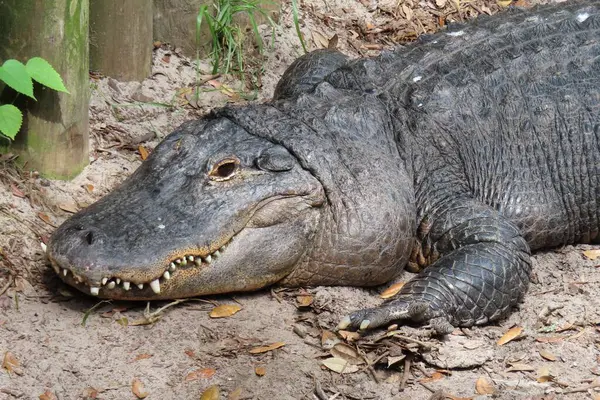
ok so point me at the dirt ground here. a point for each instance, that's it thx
(54, 347)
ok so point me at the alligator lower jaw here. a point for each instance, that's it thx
(108, 283)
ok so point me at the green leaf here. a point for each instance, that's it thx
(10, 120)
(41, 71)
(14, 74)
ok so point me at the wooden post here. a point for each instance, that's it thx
(121, 38)
(54, 136)
(175, 23)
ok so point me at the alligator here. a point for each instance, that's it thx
(455, 156)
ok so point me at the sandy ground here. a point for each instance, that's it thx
(53, 347)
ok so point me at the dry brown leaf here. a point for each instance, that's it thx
(264, 349)
(578, 334)
(236, 394)
(520, 367)
(329, 339)
(304, 300)
(512, 334)
(48, 395)
(484, 386)
(544, 374)
(69, 207)
(592, 254)
(550, 339)
(333, 42)
(523, 4)
(392, 290)
(11, 364)
(436, 376)
(143, 152)
(15, 191)
(142, 356)
(137, 387)
(320, 40)
(211, 393)
(393, 360)
(440, 3)
(339, 365)
(200, 373)
(503, 3)
(342, 350)
(90, 393)
(45, 218)
(89, 187)
(408, 12)
(260, 370)
(225, 310)
(190, 353)
(349, 336)
(566, 327)
(547, 355)
(226, 90)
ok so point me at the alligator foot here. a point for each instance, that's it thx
(397, 310)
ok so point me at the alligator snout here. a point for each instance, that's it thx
(84, 236)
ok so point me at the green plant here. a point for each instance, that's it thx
(295, 13)
(226, 37)
(20, 77)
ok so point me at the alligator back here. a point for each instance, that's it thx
(505, 110)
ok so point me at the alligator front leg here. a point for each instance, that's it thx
(483, 272)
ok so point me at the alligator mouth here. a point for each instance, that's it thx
(114, 282)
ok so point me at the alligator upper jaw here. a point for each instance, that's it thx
(140, 287)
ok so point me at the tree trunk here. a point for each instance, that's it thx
(121, 38)
(54, 136)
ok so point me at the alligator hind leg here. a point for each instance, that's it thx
(483, 272)
(307, 72)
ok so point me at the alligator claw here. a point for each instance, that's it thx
(345, 322)
(400, 309)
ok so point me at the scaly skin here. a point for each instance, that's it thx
(460, 153)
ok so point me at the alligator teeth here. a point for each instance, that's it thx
(172, 267)
(216, 253)
(44, 247)
(118, 280)
(104, 280)
(167, 275)
(184, 261)
(94, 291)
(178, 261)
(198, 261)
(111, 285)
(65, 272)
(190, 258)
(155, 285)
(223, 247)
(140, 286)
(126, 285)
(208, 259)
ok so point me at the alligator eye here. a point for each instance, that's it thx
(224, 169)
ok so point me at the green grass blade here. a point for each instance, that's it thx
(297, 24)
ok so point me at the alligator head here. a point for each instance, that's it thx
(240, 200)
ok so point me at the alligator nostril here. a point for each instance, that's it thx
(89, 237)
